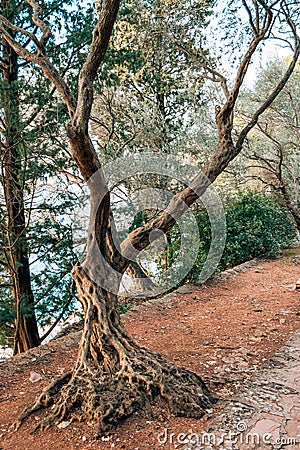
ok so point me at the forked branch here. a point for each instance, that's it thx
(40, 23)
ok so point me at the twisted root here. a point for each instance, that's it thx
(104, 399)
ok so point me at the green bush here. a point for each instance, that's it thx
(256, 226)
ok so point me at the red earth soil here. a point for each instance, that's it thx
(224, 331)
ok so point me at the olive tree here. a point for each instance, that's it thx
(113, 375)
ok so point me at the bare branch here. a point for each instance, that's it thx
(244, 65)
(64, 310)
(42, 60)
(254, 28)
(268, 166)
(39, 23)
(271, 97)
(14, 28)
(203, 62)
(4, 264)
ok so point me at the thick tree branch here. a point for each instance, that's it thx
(226, 149)
(259, 36)
(100, 40)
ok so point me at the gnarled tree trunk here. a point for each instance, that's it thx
(113, 376)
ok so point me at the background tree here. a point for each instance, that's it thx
(34, 228)
(113, 376)
(256, 226)
(274, 145)
(145, 90)
(16, 258)
(147, 85)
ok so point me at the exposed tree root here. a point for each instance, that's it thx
(46, 398)
(114, 376)
(103, 399)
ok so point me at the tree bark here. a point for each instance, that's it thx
(113, 376)
(26, 330)
(143, 286)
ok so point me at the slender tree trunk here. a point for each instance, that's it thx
(26, 331)
(289, 204)
(283, 187)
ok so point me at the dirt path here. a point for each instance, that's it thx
(224, 331)
(265, 412)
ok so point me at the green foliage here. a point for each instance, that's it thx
(256, 226)
(35, 119)
(270, 161)
(53, 256)
(147, 83)
(123, 309)
(140, 219)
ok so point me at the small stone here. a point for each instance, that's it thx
(256, 339)
(264, 426)
(84, 438)
(259, 333)
(64, 424)
(34, 377)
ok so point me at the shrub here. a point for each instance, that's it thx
(256, 226)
